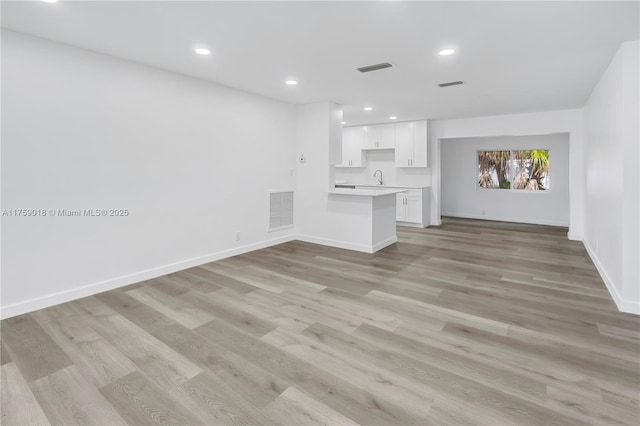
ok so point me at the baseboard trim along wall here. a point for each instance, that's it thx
(574, 237)
(336, 243)
(91, 289)
(385, 243)
(628, 306)
(503, 219)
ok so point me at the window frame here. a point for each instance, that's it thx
(511, 189)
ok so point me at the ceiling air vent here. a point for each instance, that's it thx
(451, 83)
(375, 67)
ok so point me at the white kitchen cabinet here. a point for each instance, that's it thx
(400, 207)
(352, 147)
(379, 136)
(412, 208)
(411, 144)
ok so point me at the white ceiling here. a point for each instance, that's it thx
(513, 56)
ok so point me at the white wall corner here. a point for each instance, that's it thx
(628, 306)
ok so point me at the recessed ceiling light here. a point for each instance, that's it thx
(50, 1)
(368, 108)
(344, 122)
(291, 82)
(393, 117)
(447, 52)
(203, 51)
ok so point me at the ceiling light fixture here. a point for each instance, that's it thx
(203, 51)
(447, 52)
(368, 108)
(393, 117)
(344, 122)
(50, 1)
(291, 82)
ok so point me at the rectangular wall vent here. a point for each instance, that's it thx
(451, 83)
(375, 67)
(280, 210)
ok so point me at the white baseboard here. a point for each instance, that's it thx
(9, 311)
(385, 243)
(91, 289)
(574, 237)
(628, 306)
(504, 219)
(411, 225)
(335, 243)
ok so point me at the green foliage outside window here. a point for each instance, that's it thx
(519, 170)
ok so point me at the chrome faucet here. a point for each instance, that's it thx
(379, 179)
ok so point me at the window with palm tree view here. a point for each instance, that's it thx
(517, 169)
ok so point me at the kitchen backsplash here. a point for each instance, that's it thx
(384, 161)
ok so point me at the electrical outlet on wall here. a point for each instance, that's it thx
(301, 158)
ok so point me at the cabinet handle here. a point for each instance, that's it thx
(408, 162)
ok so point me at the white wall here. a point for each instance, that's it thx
(192, 161)
(461, 196)
(541, 123)
(612, 180)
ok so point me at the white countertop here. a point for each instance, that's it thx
(365, 192)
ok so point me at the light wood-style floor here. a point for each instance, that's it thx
(468, 323)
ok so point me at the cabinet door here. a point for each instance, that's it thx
(352, 147)
(404, 144)
(413, 207)
(419, 144)
(347, 133)
(386, 136)
(369, 136)
(400, 207)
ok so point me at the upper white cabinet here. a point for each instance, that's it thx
(352, 147)
(411, 144)
(379, 136)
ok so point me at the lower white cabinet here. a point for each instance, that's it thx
(412, 207)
